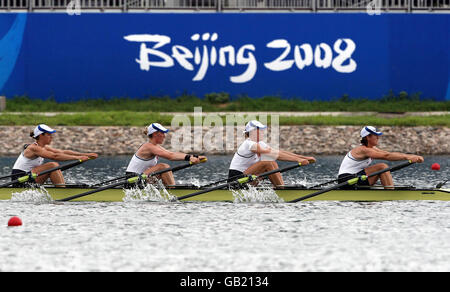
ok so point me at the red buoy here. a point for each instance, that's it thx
(14, 221)
(435, 166)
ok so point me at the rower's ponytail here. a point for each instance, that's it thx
(32, 135)
(364, 141)
(145, 133)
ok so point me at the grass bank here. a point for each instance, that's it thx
(128, 118)
(214, 102)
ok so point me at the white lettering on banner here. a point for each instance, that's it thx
(206, 55)
(322, 56)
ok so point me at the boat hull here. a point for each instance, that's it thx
(117, 195)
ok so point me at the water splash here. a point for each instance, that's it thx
(36, 195)
(196, 182)
(262, 194)
(154, 193)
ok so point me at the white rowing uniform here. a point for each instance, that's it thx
(245, 157)
(26, 164)
(139, 165)
(351, 165)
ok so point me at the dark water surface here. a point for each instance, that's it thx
(326, 169)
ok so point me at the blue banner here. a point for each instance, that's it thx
(291, 55)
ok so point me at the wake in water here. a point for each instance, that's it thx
(35, 195)
(261, 194)
(153, 193)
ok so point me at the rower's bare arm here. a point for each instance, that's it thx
(151, 150)
(172, 156)
(266, 151)
(73, 153)
(256, 148)
(391, 156)
(281, 154)
(91, 155)
(289, 156)
(298, 156)
(55, 155)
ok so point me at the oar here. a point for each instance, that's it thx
(353, 181)
(131, 180)
(335, 180)
(232, 178)
(240, 181)
(440, 185)
(114, 179)
(323, 184)
(173, 169)
(33, 176)
(176, 168)
(6, 176)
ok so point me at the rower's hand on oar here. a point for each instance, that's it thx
(92, 155)
(200, 159)
(311, 159)
(84, 158)
(304, 162)
(416, 158)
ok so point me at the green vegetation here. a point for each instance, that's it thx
(140, 112)
(215, 102)
(408, 121)
(128, 118)
(116, 118)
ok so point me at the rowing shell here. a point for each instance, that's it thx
(287, 194)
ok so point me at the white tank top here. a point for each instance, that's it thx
(139, 165)
(352, 165)
(27, 164)
(244, 157)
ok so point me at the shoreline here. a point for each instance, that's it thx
(279, 113)
(313, 140)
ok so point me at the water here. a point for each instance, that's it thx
(326, 168)
(167, 236)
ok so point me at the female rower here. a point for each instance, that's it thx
(357, 161)
(32, 157)
(248, 158)
(145, 160)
